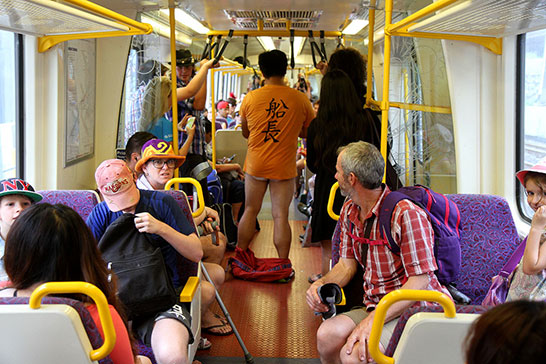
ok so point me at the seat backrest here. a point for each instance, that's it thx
(407, 314)
(488, 238)
(230, 142)
(61, 326)
(82, 201)
(431, 338)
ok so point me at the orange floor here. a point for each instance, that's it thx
(273, 319)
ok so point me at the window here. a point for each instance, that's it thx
(531, 107)
(8, 105)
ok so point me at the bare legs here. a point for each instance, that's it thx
(254, 195)
(281, 196)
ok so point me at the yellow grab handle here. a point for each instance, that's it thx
(330, 207)
(97, 296)
(189, 289)
(197, 186)
(402, 295)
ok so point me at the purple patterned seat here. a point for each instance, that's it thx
(82, 201)
(488, 238)
(91, 329)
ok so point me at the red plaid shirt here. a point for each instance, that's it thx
(384, 270)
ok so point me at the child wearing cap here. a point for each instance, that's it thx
(15, 196)
(157, 214)
(529, 281)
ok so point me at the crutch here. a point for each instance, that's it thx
(248, 357)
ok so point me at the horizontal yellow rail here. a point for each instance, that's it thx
(417, 107)
(197, 186)
(189, 289)
(273, 33)
(48, 41)
(427, 10)
(99, 299)
(396, 296)
(331, 198)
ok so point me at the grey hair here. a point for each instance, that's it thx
(365, 161)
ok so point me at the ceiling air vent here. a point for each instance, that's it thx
(248, 19)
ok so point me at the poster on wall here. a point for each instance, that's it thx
(80, 100)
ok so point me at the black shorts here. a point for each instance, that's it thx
(143, 327)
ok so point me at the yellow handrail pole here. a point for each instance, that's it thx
(97, 9)
(369, 66)
(407, 21)
(99, 299)
(396, 296)
(331, 198)
(213, 106)
(48, 41)
(386, 80)
(406, 117)
(174, 97)
(197, 186)
(272, 33)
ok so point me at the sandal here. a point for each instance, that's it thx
(211, 329)
(313, 278)
(204, 344)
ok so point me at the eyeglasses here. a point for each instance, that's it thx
(159, 163)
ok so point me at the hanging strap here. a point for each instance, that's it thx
(216, 44)
(322, 47)
(514, 260)
(226, 42)
(339, 44)
(245, 44)
(315, 47)
(208, 48)
(292, 60)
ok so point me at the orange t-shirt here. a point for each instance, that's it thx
(275, 116)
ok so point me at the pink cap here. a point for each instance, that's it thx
(222, 105)
(115, 182)
(540, 167)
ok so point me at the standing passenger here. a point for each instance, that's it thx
(272, 118)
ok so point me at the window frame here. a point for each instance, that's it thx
(20, 106)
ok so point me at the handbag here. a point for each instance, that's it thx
(501, 282)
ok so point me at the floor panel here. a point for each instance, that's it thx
(273, 319)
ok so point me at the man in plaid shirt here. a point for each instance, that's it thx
(343, 338)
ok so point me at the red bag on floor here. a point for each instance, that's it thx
(246, 266)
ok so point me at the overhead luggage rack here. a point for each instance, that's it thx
(54, 22)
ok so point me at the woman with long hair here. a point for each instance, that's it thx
(52, 243)
(340, 121)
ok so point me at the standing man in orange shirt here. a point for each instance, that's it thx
(272, 118)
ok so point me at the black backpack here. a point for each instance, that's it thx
(144, 283)
(227, 226)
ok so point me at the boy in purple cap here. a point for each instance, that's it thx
(15, 196)
(157, 214)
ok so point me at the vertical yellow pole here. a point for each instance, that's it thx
(369, 74)
(406, 117)
(386, 80)
(173, 83)
(213, 106)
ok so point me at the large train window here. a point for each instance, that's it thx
(531, 106)
(9, 126)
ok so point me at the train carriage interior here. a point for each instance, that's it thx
(455, 85)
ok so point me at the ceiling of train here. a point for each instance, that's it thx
(328, 15)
